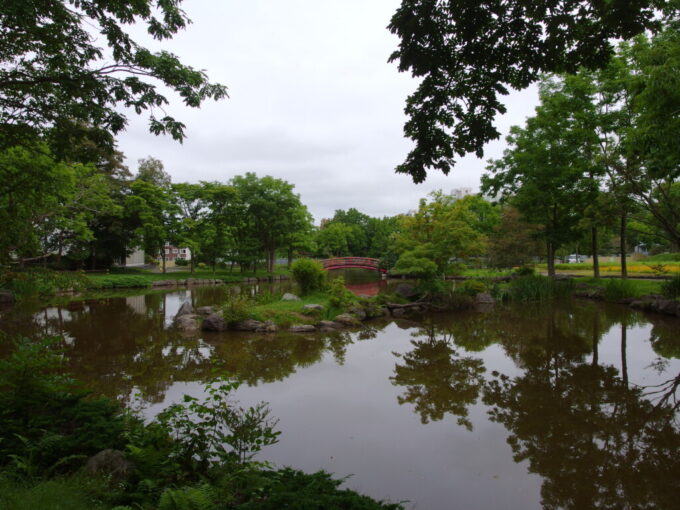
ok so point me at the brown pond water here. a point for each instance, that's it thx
(569, 405)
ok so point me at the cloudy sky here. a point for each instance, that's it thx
(312, 101)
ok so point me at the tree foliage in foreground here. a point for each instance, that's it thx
(470, 54)
(75, 59)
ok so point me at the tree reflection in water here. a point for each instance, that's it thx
(596, 441)
(438, 379)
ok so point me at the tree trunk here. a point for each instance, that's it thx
(290, 257)
(624, 360)
(622, 247)
(596, 259)
(551, 259)
(271, 260)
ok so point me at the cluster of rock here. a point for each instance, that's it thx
(657, 304)
(188, 282)
(210, 318)
(651, 303)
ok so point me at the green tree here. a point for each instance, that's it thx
(46, 206)
(190, 212)
(271, 212)
(542, 173)
(151, 209)
(469, 54)
(152, 170)
(649, 103)
(215, 233)
(514, 242)
(440, 230)
(53, 65)
(332, 240)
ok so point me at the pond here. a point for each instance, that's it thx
(567, 405)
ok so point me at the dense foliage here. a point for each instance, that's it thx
(597, 155)
(76, 60)
(467, 54)
(309, 275)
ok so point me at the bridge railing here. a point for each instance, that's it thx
(361, 262)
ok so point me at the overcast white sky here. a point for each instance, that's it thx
(312, 101)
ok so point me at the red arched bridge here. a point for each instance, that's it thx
(352, 262)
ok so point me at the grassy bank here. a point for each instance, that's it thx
(638, 268)
(141, 278)
(616, 288)
(284, 313)
(30, 283)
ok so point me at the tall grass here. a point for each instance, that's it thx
(671, 288)
(538, 288)
(615, 289)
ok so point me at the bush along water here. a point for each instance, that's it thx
(615, 289)
(538, 288)
(197, 454)
(671, 288)
(36, 282)
(309, 275)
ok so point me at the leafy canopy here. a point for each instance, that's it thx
(74, 59)
(468, 54)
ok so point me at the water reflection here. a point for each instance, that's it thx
(438, 379)
(596, 441)
(586, 396)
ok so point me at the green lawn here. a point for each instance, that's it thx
(618, 289)
(141, 278)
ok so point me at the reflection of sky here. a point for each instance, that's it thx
(346, 418)
(173, 301)
(51, 314)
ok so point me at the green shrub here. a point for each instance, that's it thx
(201, 265)
(289, 488)
(615, 289)
(309, 275)
(236, 308)
(266, 297)
(470, 287)
(415, 264)
(181, 262)
(202, 428)
(525, 271)
(47, 424)
(340, 296)
(61, 494)
(39, 282)
(671, 288)
(188, 498)
(538, 288)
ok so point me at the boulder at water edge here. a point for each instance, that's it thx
(214, 322)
